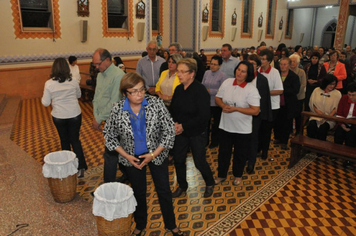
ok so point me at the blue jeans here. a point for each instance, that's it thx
(68, 130)
(197, 145)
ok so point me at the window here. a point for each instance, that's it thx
(246, 21)
(289, 25)
(117, 18)
(36, 19)
(271, 18)
(157, 17)
(217, 16)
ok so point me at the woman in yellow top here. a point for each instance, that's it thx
(168, 81)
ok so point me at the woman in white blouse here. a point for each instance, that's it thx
(63, 92)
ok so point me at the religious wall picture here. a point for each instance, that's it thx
(83, 7)
(205, 14)
(233, 18)
(260, 20)
(281, 23)
(140, 10)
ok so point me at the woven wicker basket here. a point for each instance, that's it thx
(63, 190)
(117, 227)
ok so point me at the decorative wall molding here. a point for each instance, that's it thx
(54, 33)
(121, 32)
(52, 56)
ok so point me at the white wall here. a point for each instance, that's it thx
(350, 37)
(303, 19)
(324, 16)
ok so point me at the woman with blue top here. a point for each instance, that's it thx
(141, 130)
(63, 92)
(212, 80)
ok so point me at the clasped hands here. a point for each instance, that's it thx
(136, 162)
(228, 109)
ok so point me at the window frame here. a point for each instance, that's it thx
(36, 32)
(217, 34)
(273, 20)
(289, 24)
(250, 23)
(118, 32)
(160, 20)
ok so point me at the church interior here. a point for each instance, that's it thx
(317, 196)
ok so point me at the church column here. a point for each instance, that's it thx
(341, 24)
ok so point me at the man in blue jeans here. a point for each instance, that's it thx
(107, 92)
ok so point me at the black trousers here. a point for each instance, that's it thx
(242, 144)
(298, 117)
(264, 134)
(68, 130)
(342, 136)
(214, 130)
(111, 159)
(139, 185)
(321, 132)
(197, 145)
(283, 126)
(256, 123)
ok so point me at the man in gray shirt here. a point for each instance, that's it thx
(229, 62)
(148, 67)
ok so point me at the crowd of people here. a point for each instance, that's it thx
(178, 102)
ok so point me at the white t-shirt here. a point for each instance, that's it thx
(74, 70)
(274, 83)
(64, 98)
(237, 122)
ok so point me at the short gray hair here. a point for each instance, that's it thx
(295, 56)
(178, 46)
(152, 42)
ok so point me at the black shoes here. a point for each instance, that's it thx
(209, 191)
(81, 173)
(179, 191)
(250, 169)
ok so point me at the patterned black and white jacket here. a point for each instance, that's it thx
(160, 129)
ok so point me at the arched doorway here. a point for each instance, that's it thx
(329, 35)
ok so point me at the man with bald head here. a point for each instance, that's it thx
(107, 92)
(148, 67)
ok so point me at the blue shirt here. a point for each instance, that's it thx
(138, 124)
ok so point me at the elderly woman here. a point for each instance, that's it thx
(294, 66)
(261, 83)
(63, 92)
(190, 109)
(289, 104)
(323, 56)
(239, 100)
(212, 80)
(168, 81)
(315, 73)
(323, 101)
(141, 130)
(336, 68)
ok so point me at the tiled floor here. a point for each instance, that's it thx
(34, 132)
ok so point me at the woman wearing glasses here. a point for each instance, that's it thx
(141, 130)
(323, 101)
(190, 109)
(168, 81)
(212, 80)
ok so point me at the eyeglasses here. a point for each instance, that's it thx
(182, 71)
(152, 49)
(99, 63)
(214, 64)
(137, 91)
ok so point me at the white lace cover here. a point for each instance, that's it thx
(59, 165)
(113, 201)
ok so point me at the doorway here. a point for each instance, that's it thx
(329, 35)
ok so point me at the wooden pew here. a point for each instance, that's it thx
(327, 148)
(87, 90)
